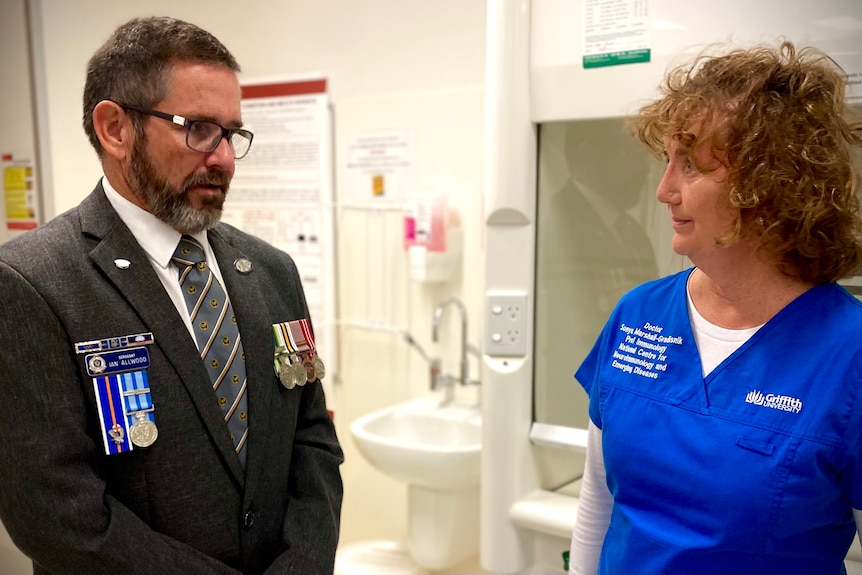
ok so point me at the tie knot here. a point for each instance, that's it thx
(189, 252)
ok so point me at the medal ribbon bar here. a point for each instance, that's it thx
(114, 343)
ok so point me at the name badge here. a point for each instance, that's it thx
(110, 362)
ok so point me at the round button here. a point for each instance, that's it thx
(248, 519)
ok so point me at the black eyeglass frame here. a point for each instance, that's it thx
(188, 124)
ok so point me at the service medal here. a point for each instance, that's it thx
(285, 376)
(143, 432)
(299, 371)
(310, 374)
(319, 368)
(282, 365)
(287, 373)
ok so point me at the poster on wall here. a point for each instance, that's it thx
(282, 191)
(616, 32)
(380, 166)
(19, 191)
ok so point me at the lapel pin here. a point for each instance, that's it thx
(122, 264)
(242, 265)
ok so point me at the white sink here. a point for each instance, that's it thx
(427, 442)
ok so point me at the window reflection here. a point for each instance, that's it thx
(598, 235)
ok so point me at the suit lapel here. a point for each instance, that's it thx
(143, 291)
(249, 301)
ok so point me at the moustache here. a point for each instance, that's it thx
(215, 179)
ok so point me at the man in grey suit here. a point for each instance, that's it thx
(128, 444)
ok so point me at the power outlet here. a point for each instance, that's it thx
(507, 324)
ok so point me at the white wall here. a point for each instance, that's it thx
(393, 65)
(17, 134)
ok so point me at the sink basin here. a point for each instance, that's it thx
(429, 442)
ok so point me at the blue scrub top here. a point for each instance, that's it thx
(754, 468)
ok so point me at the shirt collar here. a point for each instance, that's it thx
(158, 239)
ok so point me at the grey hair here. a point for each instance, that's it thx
(132, 67)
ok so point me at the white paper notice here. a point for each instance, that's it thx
(616, 32)
(380, 166)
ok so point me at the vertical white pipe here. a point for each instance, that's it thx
(508, 471)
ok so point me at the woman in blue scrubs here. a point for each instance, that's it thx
(726, 400)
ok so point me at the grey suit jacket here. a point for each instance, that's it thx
(185, 504)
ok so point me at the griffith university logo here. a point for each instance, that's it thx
(772, 401)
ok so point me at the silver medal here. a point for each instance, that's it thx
(298, 370)
(285, 376)
(143, 432)
(319, 368)
(283, 369)
(287, 373)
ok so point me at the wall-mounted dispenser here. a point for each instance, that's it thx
(433, 238)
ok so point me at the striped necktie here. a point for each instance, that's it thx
(217, 337)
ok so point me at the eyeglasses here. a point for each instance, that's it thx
(203, 135)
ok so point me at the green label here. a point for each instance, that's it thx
(617, 58)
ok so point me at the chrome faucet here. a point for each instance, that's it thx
(438, 315)
(434, 371)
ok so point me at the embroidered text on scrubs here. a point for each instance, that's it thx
(643, 352)
(634, 360)
(781, 402)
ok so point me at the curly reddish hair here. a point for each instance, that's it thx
(777, 119)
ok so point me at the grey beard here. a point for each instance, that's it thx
(174, 210)
(169, 204)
